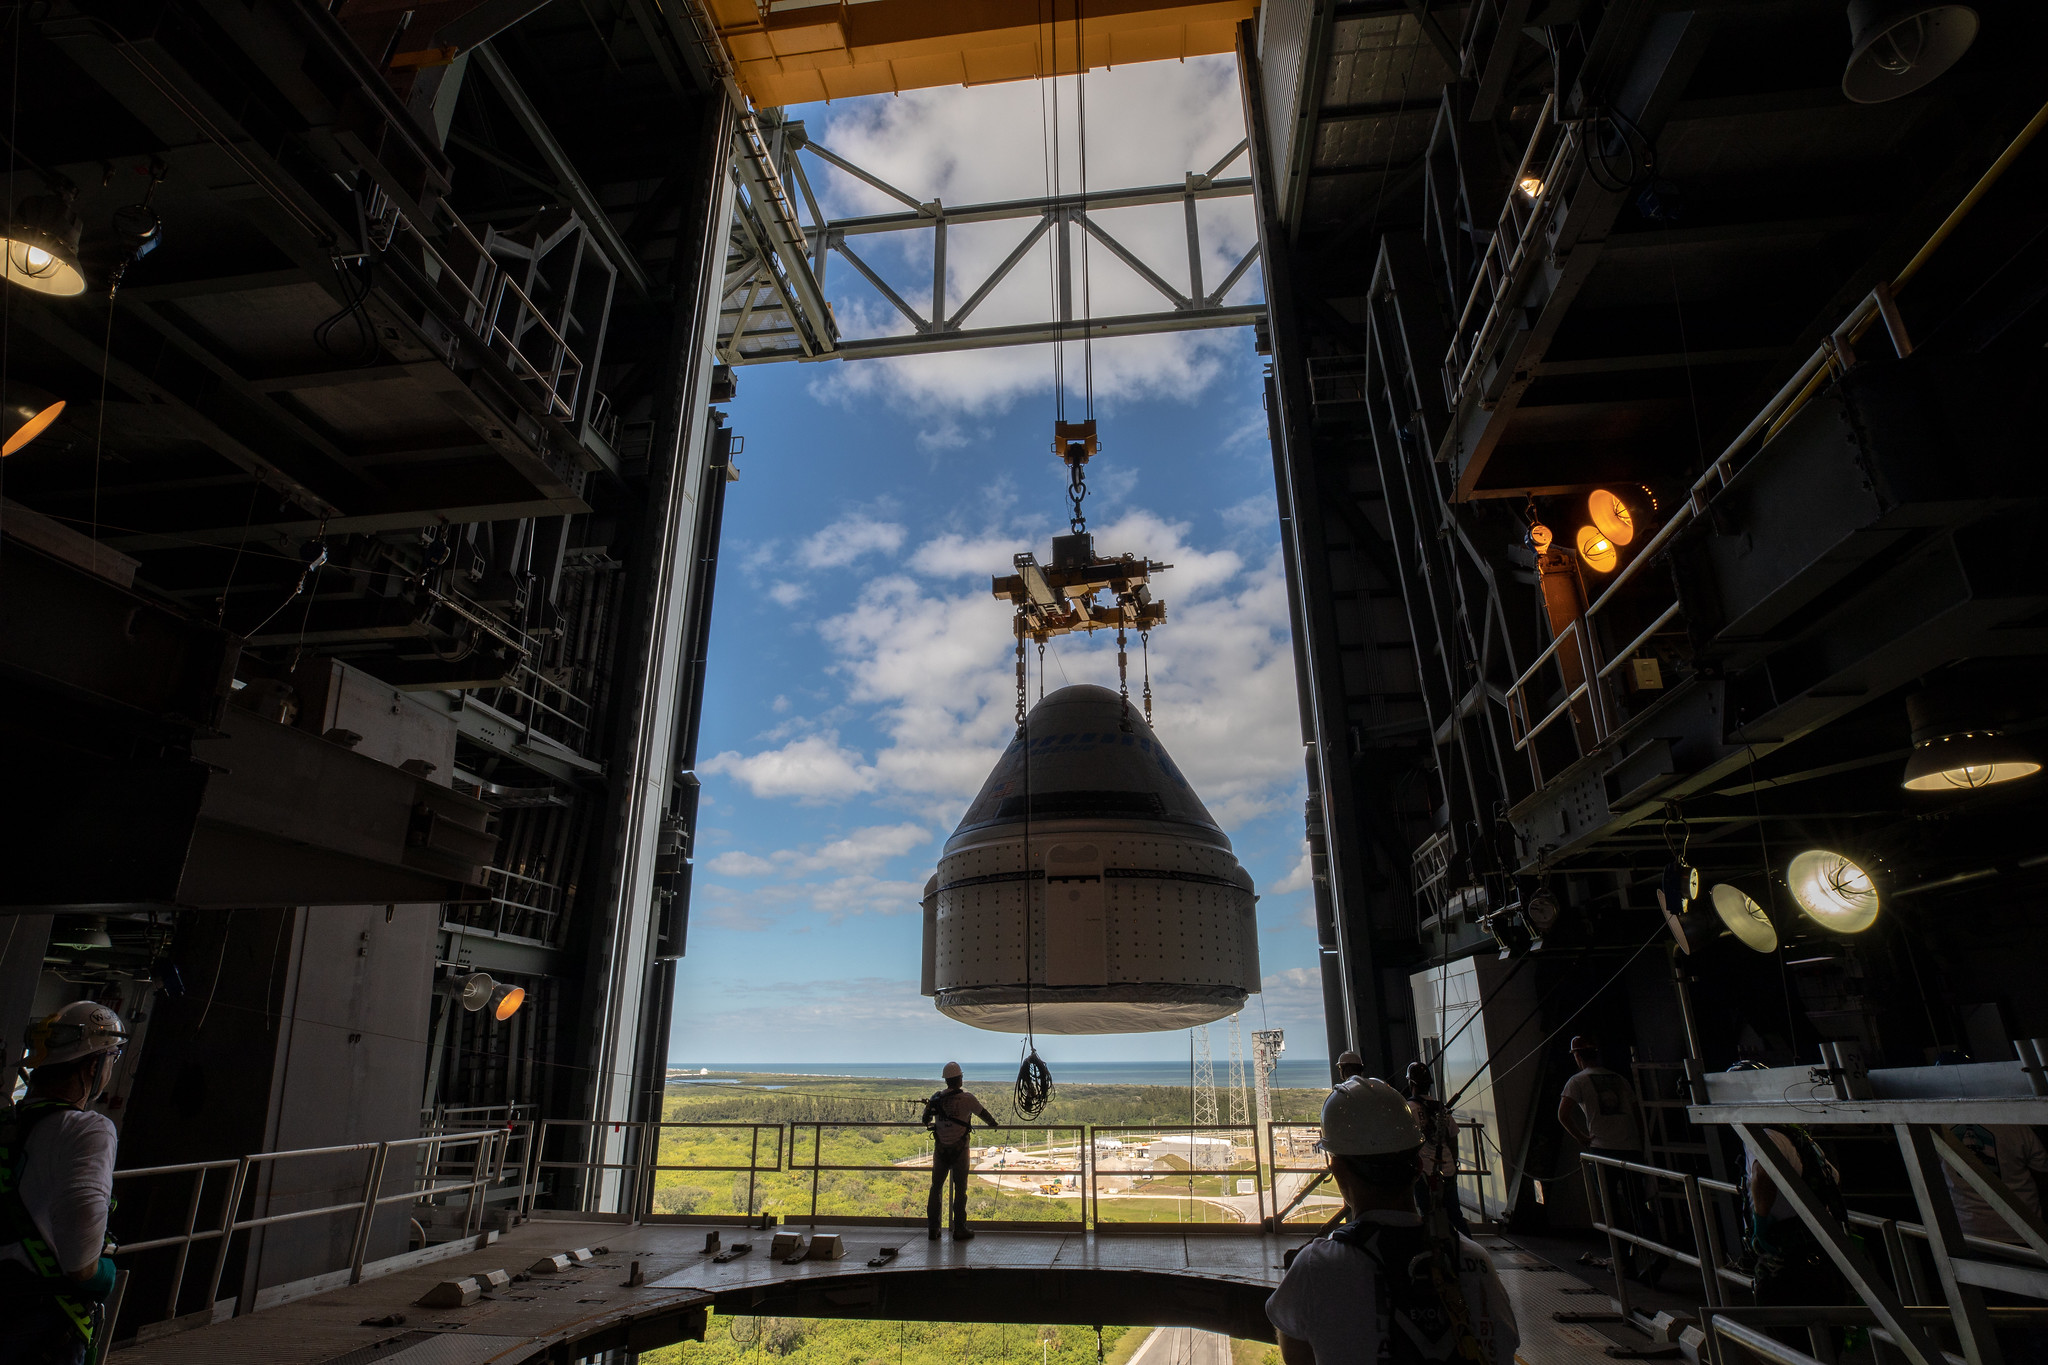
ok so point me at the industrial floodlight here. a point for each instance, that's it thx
(1597, 550)
(41, 246)
(506, 1000)
(26, 414)
(472, 990)
(1971, 758)
(1897, 46)
(1531, 185)
(1745, 918)
(86, 933)
(1612, 516)
(1837, 893)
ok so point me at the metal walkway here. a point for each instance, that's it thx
(1209, 1283)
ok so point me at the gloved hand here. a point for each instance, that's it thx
(99, 1286)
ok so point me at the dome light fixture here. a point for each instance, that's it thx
(26, 414)
(1956, 750)
(1597, 550)
(1745, 918)
(1897, 46)
(40, 249)
(1837, 894)
(1967, 760)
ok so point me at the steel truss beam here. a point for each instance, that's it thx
(774, 280)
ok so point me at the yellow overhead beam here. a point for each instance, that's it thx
(799, 53)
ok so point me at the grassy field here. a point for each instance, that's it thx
(839, 1341)
(885, 1171)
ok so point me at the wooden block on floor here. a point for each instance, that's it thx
(452, 1294)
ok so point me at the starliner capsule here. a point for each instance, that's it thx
(1087, 889)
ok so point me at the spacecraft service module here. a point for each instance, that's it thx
(1088, 888)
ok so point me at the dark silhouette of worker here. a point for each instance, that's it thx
(56, 1186)
(950, 1116)
(1350, 1066)
(1438, 1184)
(1600, 1110)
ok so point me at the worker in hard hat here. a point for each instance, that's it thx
(950, 1116)
(1350, 1066)
(56, 1185)
(1438, 1185)
(1387, 1286)
(1600, 1110)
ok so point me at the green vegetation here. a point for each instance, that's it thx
(885, 1171)
(840, 1341)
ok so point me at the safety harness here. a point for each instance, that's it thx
(1781, 1244)
(1423, 1314)
(43, 1276)
(938, 1116)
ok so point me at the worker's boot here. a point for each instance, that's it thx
(963, 1234)
(931, 1232)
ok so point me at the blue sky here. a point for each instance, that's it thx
(860, 680)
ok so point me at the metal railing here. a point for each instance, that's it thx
(497, 314)
(1293, 1141)
(1704, 1256)
(246, 1173)
(830, 1140)
(723, 1133)
(1210, 1151)
(1509, 254)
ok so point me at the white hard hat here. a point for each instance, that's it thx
(80, 1029)
(950, 1071)
(1367, 1117)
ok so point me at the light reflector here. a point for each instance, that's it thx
(1597, 550)
(1745, 918)
(1838, 894)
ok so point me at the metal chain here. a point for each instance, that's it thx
(1021, 692)
(1077, 489)
(1145, 648)
(1123, 679)
(1041, 670)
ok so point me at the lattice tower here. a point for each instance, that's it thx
(1239, 1108)
(1205, 1078)
(1267, 1045)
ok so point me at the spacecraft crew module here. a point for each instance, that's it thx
(1087, 889)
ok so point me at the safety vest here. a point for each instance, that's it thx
(1421, 1299)
(17, 1224)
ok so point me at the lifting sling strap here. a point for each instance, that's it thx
(18, 1225)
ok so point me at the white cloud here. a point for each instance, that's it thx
(737, 864)
(788, 594)
(847, 540)
(865, 848)
(1300, 878)
(1294, 990)
(953, 555)
(811, 768)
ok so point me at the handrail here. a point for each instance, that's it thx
(1166, 1132)
(485, 1171)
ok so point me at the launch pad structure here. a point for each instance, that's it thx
(1652, 396)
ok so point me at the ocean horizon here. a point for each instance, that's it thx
(1305, 1073)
